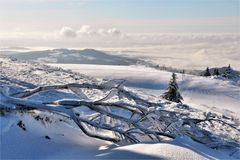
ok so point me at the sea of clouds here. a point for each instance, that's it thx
(181, 50)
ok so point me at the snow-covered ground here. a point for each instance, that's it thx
(67, 142)
(61, 139)
(208, 94)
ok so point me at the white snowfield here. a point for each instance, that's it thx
(206, 93)
(61, 139)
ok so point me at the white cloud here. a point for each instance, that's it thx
(87, 30)
(114, 31)
(68, 32)
(102, 32)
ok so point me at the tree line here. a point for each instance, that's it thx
(226, 73)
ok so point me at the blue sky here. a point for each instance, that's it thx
(48, 17)
(153, 9)
(102, 12)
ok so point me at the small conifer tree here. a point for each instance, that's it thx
(173, 93)
(227, 72)
(216, 72)
(207, 72)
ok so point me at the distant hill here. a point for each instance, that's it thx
(86, 56)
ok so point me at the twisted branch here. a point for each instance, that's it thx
(140, 120)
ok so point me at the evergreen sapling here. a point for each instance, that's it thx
(173, 93)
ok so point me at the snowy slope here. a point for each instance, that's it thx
(66, 140)
(206, 93)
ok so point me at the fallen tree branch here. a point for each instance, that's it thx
(125, 120)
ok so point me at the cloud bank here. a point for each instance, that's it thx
(87, 30)
(181, 50)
